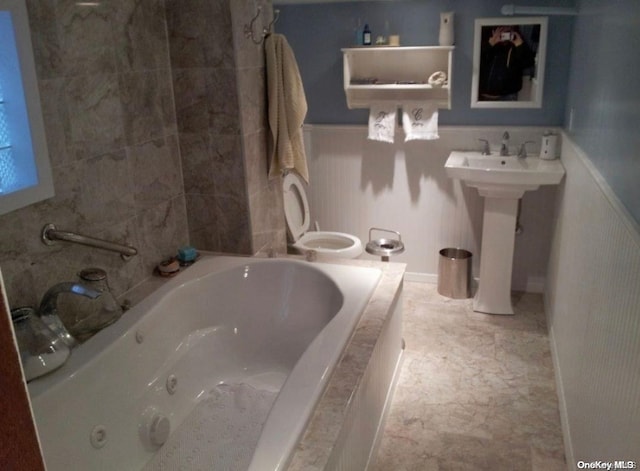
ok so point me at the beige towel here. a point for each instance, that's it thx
(287, 108)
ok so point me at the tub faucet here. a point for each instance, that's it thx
(504, 147)
(48, 310)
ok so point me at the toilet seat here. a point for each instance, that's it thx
(296, 211)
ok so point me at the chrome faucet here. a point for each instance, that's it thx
(48, 310)
(504, 147)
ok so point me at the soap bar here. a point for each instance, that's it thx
(168, 267)
(187, 254)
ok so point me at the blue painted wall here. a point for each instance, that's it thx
(604, 93)
(317, 32)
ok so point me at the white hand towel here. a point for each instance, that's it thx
(420, 120)
(382, 122)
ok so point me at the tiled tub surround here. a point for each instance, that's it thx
(128, 164)
(342, 424)
(219, 87)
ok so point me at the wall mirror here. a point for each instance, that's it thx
(508, 62)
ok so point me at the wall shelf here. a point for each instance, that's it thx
(396, 74)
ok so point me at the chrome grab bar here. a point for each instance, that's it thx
(50, 234)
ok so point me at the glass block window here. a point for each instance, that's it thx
(8, 177)
(25, 173)
(17, 168)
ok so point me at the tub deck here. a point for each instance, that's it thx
(322, 443)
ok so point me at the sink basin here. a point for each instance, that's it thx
(495, 175)
(502, 181)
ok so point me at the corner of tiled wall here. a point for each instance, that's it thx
(106, 92)
(155, 140)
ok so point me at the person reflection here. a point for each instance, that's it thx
(504, 57)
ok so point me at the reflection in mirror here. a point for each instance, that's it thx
(508, 62)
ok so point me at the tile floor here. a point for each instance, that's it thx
(476, 391)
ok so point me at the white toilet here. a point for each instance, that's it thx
(296, 210)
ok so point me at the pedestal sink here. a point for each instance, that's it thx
(502, 181)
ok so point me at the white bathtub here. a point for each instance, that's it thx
(278, 326)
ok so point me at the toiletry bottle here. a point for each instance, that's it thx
(445, 38)
(548, 146)
(366, 36)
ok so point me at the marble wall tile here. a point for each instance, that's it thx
(202, 213)
(107, 195)
(85, 34)
(140, 35)
(95, 114)
(251, 93)
(163, 229)
(191, 98)
(44, 37)
(56, 119)
(146, 113)
(206, 236)
(206, 99)
(233, 224)
(62, 208)
(227, 164)
(213, 163)
(200, 33)
(270, 240)
(267, 209)
(156, 173)
(224, 111)
(196, 167)
(255, 152)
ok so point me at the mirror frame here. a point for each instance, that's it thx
(541, 56)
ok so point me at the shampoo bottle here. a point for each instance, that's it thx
(366, 36)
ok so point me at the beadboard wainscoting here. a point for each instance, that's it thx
(356, 184)
(592, 301)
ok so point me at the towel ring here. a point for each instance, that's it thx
(248, 28)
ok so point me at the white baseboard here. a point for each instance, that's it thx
(533, 285)
(562, 404)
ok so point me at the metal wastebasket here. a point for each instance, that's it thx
(454, 273)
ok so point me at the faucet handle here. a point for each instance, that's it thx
(522, 153)
(485, 148)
